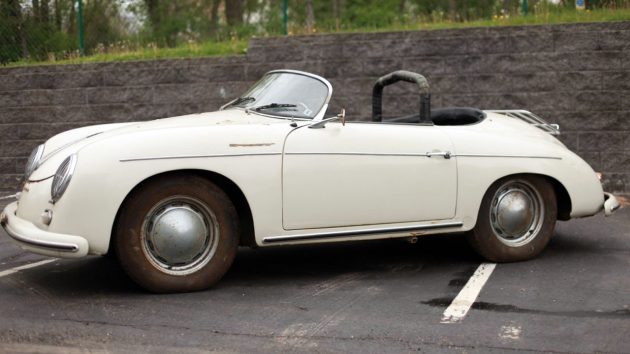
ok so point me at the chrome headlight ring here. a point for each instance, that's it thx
(62, 177)
(33, 160)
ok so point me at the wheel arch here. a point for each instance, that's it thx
(234, 192)
(562, 195)
(525, 235)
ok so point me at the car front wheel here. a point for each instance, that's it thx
(516, 219)
(176, 234)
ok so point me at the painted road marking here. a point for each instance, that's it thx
(466, 298)
(26, 266)
(511, 332)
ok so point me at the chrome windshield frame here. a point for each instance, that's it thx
(320, 114)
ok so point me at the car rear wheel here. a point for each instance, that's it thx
(516, 219)
(177, 234)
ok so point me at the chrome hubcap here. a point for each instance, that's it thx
(180, 235)
(517, 213)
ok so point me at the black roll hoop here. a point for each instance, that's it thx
(401, 75)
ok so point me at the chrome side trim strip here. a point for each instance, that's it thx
(197, 156)
(336, 234)
(508, 156)
(426, 154)
(357, 154)
(328, 153)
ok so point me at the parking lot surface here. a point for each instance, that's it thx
(369, 297)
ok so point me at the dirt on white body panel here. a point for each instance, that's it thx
(501, 146)
(366, 174)
(243, 148)
(270, 169)
(248, 149)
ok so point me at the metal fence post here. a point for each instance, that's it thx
(81, 35)
(284, 16)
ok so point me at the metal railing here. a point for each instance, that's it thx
(529, 117)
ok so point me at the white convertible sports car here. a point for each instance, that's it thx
(174, 198)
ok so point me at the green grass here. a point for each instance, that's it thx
(117, 54)
(551, 15)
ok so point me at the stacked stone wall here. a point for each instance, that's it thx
(575, 75)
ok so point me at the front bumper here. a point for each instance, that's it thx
(36, 240)
(611, 204)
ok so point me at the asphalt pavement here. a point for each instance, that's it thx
(367, 297)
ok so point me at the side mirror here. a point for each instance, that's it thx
(322, 123)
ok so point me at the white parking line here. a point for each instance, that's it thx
(466, 298)
(26, 266)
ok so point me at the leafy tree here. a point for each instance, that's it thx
(103, 23)
(11, 26)
(234, 10)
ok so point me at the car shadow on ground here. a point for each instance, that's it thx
(298, 264)
(302, 263)
(313, 262)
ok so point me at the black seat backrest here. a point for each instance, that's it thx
(446, 116)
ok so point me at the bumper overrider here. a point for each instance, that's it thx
(34, 239)
(611, 204)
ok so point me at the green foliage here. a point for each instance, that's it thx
(44, 42)
(121, 52)
(371, 13)
(34, 31)
(103, 24)
(46, 29)
(10, 19)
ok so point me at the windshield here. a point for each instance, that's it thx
(285, 94)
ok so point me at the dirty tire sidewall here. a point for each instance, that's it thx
(128, 229)
(486, 243)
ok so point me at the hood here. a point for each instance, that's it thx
(228, 117)
(64, 144)
(219, 118)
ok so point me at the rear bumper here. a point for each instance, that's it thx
(36, 240)
(611, 204)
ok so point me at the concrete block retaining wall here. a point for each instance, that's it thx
(575, 75)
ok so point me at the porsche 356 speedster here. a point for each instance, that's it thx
(174, 198)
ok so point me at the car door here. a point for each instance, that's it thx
(367, 174)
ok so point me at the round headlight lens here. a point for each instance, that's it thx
(33, 160)
(62, 177)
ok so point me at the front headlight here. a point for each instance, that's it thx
(62, 177)
(33, 160)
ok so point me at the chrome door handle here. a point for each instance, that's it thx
(445, 154)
